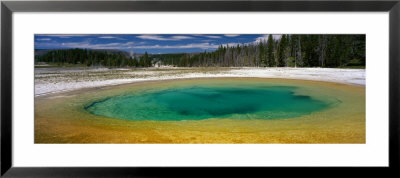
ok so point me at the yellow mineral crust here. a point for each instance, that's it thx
(61, 118)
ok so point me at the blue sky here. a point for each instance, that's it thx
(154, 44)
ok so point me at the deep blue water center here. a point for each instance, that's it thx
(201, 102)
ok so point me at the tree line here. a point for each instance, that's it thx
(287, 51)
(105, 58)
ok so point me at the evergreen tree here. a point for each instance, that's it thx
(270, 51)
(282, 51)
(261, 54)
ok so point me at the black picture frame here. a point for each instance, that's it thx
(8, 7)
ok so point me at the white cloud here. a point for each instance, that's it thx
(65, 36)
(185, 46)
(276, 37)
(181, 37)
(87, 45)
(213, 36)
(107, 37)
(160, 38)
(201, 35)
(264, 38)
(151, 37)
(232, 35)
(209, 36)
(43, 39)
(111, 37)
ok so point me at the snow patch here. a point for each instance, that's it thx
(58, 80)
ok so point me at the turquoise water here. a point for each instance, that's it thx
(204, 102)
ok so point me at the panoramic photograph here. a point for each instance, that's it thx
(200, 88)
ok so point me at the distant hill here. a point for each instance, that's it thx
(41, 52)
(91, 57)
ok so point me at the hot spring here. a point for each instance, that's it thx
(199, 102)
(209, 110)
